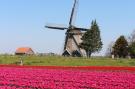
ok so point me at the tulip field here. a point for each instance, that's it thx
(55, 72)
(15, 77)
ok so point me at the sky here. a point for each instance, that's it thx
(22, 22)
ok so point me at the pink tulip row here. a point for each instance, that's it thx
(30, 78)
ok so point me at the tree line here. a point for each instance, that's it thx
(123, 47)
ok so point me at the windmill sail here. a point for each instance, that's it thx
(82, 29)
(56, 26)
(73, 13)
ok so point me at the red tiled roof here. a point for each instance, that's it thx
(23, 50)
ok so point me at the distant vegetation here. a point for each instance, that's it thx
(123, 47)
(65, 61)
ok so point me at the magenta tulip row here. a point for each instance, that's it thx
(30, 78)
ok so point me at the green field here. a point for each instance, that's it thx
(65, 61)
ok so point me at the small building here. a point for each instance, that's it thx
(24, 51)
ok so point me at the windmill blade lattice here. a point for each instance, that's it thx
(82, 29)
(73, 13)
(56, 26)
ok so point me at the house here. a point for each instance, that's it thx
(24, 51)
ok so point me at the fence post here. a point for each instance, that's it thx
(21, 61)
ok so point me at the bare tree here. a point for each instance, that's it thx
(109, 49)
(131, 42)
(131, 38)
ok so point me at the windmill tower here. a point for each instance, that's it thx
(73, 35)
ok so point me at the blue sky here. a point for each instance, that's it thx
(22, 22)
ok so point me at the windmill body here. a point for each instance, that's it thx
(73, 36)
(72, 41)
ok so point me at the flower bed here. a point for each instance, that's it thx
(106, 68)
(43, 78)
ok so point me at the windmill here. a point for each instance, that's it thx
(73, 35)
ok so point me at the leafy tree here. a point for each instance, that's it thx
(121, 47)
(91, 40)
